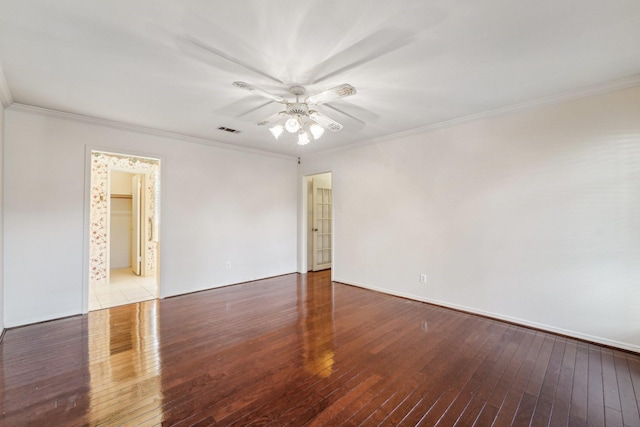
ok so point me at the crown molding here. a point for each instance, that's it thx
(5, 94)
(79, 118)
(572, 95)
(7, 102)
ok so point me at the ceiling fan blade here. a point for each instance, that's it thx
(256, 108)
(272, 118)
(331, 94)
(244, 106)
(351, 116)
(258, 91)
(325, 121)
(369, 48)
(221, 54)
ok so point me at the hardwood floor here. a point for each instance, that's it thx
(300, 350)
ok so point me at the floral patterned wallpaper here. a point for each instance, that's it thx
(101, 164)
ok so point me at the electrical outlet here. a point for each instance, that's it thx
(423, 278)
(228, 265)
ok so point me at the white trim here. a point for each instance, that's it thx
(141, 129)
(631, 81)
(302, 225)
(5, 94)
(515, 320)
(592, 90)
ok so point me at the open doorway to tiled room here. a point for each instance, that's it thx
(123, 229)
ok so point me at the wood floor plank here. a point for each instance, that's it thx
(610, 387)
(629, 404)
(301, 350)
(562, 398)
(398, 387)
(546, 397)
(431, 360)
(579, 397)
(438, 401)
(481, 376)
(517, 389)
(529, 401)
(497, 397)
(435, 377)
(595, 391)
(510, 343)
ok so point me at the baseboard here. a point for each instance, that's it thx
(209, 288)
(508, 319)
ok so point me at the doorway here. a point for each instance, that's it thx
(123, 229)
(319, 222)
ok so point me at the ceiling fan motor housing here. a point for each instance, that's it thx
(298, 109)
(297, 90)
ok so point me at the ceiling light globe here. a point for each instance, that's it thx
(316, 130)
(292, 125)
(303, 138)
(276, 131)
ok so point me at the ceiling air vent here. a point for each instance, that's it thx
(228, 129)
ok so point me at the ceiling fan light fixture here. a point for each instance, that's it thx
(316, 130)
(292, 125)
(298, 118)
(276, 131)
(303, 138)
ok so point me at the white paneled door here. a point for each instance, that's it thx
(322, 252)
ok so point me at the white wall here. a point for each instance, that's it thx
(120, 182)
(120, 220)
(120, 233)
(532, 216)
(218, 205)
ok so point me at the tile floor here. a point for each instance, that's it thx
(125, 288)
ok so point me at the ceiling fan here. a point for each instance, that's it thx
(298, 117)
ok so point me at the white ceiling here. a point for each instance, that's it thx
(161, 64)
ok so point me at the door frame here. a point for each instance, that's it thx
(122, 151)
(304, 223)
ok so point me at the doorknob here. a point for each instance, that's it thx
(315, 229)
